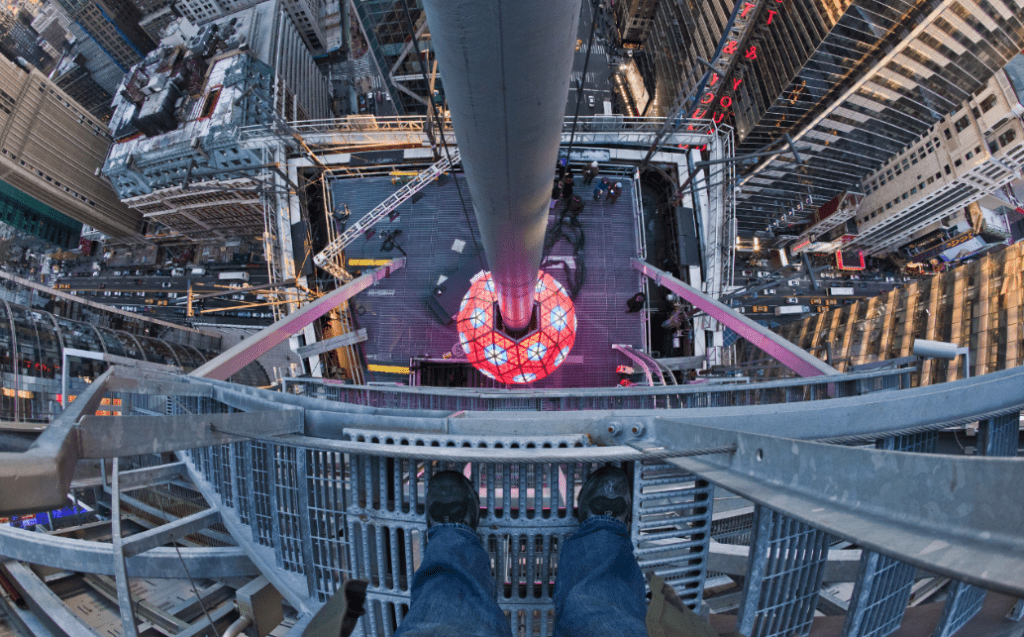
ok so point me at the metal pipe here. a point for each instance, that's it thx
(506, 68)
(236, 627)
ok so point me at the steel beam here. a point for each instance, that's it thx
(228, 363)
(39, 478)
(44, 603)
(158, 536)
(322, 347)
(98, 557)
(105, 437)
(958, 516)
(796, 359)
(151, 476)
(129, 624)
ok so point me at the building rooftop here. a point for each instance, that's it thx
(437, 238)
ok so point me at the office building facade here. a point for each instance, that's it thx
(851, 82)
(384, 26)
(114, 26)
(74, 78)
(51, 149)
(976, 305)
(849, 118)
(969, 154)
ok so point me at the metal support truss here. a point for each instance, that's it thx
(229, 362)
(326, 258)
(764, 339)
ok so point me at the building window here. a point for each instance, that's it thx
(948, 171)
(988, 103)
(962, 124)
(958, 163)
(948, 134)
(1007, 137)
(968, 155)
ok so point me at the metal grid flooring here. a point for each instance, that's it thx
(402, 326)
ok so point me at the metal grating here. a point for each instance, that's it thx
(403, 326)
(963, 602)
(733, 528)
(671, 529)
(880, 596)
(884, 584)
(286, 486)
(996, 437)
(999, 436)
(787, 560)
(326, 486)
(256, 460)
(526, 512)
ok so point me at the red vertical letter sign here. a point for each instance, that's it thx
(730, 48)
(746, 9)
(752, 53)
(771, 14)
(736, 82)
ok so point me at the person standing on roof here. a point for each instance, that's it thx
(590, 172)
(614, 192)
(601, 190)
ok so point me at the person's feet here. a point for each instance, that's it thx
(451, 499)
(606, 492)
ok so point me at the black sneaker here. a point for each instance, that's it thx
(606, 492)
(452, 499)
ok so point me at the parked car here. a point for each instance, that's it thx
(832, 301)
(792, 300)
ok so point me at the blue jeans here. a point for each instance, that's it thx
(600, 590)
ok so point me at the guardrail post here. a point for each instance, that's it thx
(883, 586)
(781, 594)
(996, 437)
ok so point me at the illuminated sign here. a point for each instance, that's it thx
(636, 46)
(368, 262)
(22, 393)
(850, 261)
(718, 107)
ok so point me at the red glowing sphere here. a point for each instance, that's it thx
(526, 359)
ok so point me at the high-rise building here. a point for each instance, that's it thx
(851, 82)
(306, 15)
(73, 77)
(30, 215)
(385, 27)
(52, 149)
(633, 19)
(194, 177)
(114, 25)
(875, 83)
(967, 155)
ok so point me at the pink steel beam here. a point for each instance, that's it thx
(796, 359)
(226, 364)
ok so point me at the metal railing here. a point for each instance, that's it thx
(317, 491)
(586, 399)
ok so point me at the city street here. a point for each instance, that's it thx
(763, 294)
(163, 296)
(597, 83)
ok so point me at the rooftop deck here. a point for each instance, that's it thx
(401, 325)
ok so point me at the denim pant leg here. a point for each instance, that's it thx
(600, 590)
(453, 593)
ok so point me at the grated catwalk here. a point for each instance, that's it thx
(401, 325)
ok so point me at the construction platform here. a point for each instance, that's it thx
(437, 236)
